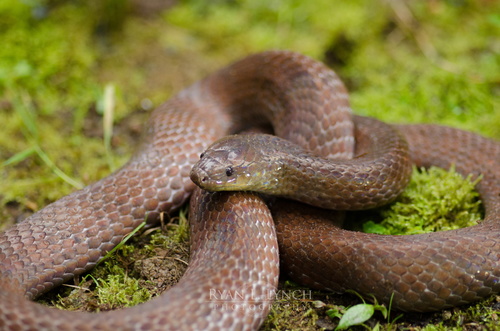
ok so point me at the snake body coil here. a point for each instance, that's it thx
(234, 247)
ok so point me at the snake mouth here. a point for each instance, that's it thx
(214, 183)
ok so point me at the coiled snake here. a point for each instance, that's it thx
(234, 264)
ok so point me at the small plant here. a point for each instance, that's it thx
(360, 313)
(119, 290)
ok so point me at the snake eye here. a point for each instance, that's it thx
(202, 155)
(229, 171)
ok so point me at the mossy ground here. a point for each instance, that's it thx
(403, 61)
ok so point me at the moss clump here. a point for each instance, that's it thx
(175, 232)
(47, 60)
(435, 200)
(117, 289)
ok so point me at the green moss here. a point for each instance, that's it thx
(474, 317)
(48, 89)
(425, 63)
(435, 200)
(48, 59)
(118, 290)
(175, 232)
(244, 26)
(111, 285)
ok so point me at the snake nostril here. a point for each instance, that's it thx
(204, 179)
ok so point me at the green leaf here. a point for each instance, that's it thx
(356, 315)
(18, 157)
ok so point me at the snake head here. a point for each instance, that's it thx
(239, 163)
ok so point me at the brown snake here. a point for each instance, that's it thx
(234, 248)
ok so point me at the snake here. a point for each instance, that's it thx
(235, 237)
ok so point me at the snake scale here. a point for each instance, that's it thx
(234, 261)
